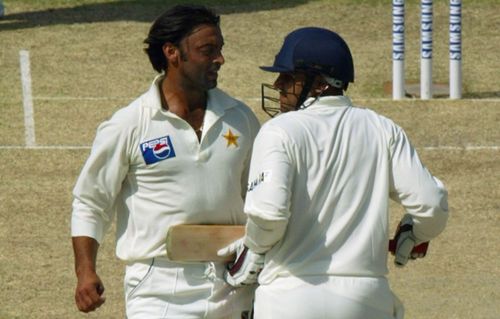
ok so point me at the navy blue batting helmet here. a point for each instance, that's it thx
(315, 50)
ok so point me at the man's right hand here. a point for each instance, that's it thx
(89, 289)
(246, 268)
(405, 245)
(89, 292)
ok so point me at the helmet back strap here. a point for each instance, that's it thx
(333, 82)
(308, 83)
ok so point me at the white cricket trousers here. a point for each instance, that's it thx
(327, 297)
(158, 288)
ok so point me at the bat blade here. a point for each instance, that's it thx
(201, 242)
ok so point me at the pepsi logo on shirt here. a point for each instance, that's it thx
(157, 149)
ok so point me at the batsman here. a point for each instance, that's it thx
(321, 176)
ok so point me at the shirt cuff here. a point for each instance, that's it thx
(261, 235)
(84, 226)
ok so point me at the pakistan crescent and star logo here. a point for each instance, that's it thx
(231, 138)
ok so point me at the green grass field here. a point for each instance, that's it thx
(87, 61)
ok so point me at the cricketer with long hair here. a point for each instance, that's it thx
(178, 154)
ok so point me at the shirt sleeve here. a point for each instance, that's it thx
(254, 127)
(100, 181)
(268, 198)
(422, 195)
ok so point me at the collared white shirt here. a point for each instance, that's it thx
(147, 165)
(326, 174)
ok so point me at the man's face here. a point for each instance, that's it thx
(290, 86)
(201, 57)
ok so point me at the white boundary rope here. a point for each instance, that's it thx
(425, 148)
(45, 147)
(375, 99)
(84, 98)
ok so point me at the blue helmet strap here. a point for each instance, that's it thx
(305, 89)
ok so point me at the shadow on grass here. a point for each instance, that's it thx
(132, 10)
(481, 95)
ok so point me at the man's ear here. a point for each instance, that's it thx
(320, 85)
(172, 53)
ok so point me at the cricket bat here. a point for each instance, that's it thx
(201, 242)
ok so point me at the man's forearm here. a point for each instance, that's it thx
(85, 252)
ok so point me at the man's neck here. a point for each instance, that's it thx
(180, 101)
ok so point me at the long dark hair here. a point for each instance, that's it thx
(172, 26)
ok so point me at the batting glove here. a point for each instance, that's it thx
(231, 249)
(407, 246)
(246, 268)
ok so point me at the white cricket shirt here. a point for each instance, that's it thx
(147, 165)
(326, 173)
